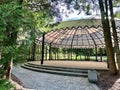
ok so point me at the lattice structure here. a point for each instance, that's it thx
(76, 37)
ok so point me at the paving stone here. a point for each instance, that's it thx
(44, 81)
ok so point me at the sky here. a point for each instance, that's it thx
(73, 15)
(82, 15)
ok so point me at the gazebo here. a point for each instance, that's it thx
(87, 36)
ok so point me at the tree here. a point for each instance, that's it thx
(16, 17)
(13, 17)
(42, 15)
(107, 36)
(115, 37)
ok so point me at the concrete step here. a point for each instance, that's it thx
(53, 71)
(57, 68)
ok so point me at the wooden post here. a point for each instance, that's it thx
(96, 52)
(84, 54)
(42, 59)
(101, 54)
(80, 54)
(46, 53)
(71, 53)
(50, 52)
(57, 53)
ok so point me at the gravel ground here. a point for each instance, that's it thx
(43, 81)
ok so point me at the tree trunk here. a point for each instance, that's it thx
(115, 37)
(9, 69)
(33, 51)
(107, 38)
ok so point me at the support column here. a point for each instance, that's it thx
(40, 51)
(88, 54)
(33, 51)
(46, 52)
(50, 52)
(29, 58)
(96, 52)
(71, 54)
(84, 54)
(80, 54)
(101, 54)
(57, 53)
(43, 38)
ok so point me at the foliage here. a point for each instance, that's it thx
(13, 19)
(5, 85)
(86, 6)
(117, 15)
(18, 29)
(12, 15)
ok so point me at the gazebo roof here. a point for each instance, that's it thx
(76, 37)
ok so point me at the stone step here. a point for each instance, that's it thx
(57, 68)
(65, 73)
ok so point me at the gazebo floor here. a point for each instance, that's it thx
(74, 64)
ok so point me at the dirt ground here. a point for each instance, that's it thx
(106, 81)
(14, 78)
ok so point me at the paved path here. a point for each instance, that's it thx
(116, 85)
(43, 81)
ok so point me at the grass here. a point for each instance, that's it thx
(76, 23)
(65, 57)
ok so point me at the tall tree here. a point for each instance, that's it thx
(115, 37)
(107, 36)
(20, 16)
(13, 17)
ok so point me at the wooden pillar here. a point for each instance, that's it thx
(80, 57)
(43, 38)
(96, 52)
(101, 54)
(76, 53)
(80, 54)
(40, 51)
(33, 51)
(57, 53)
(46, 53)
(64, 54)
(84, 54)
(86, 57)
(50, 52)
(71, 53)
(88, 50)
(87, 54)
(68, 54)
(29, 58)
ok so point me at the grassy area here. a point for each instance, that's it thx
(68, 57)
(76, 23)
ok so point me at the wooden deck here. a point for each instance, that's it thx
(75, 64)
